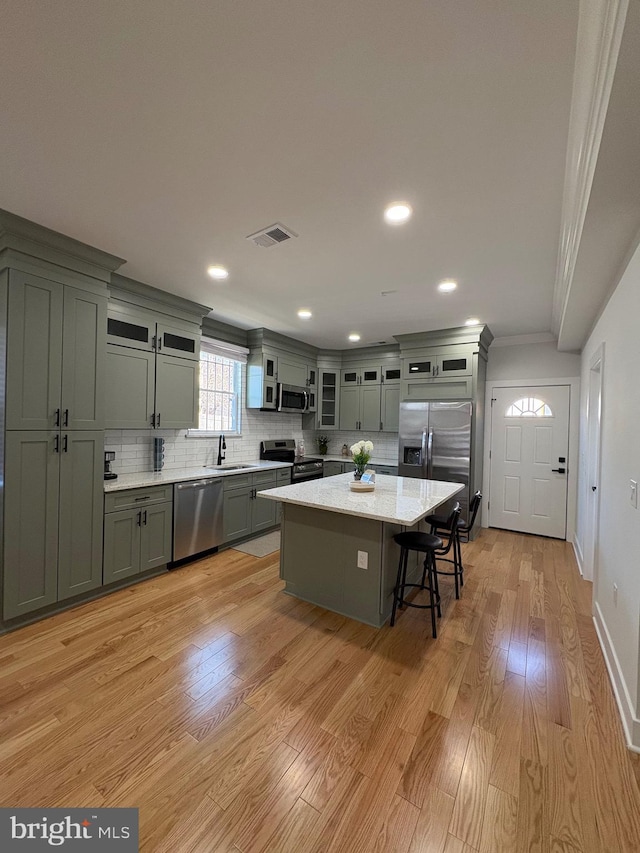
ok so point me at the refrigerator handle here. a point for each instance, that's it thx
(424, 455)
(430, 454)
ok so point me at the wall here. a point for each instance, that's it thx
(385, 444)
(531, 361)
(618, 552)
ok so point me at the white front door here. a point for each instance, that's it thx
(529, 454)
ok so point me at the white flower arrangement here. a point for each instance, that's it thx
(361, 453)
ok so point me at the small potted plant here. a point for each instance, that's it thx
(323, 444)
(361, 454)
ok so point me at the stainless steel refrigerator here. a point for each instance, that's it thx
(435, 444)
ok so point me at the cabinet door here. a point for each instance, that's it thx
(390, 408)
(263, 511)
(418, 367)
(312, 376)
(81, 512)
(391, 375)
(34, 352)
(349, 408)
(237, 513)
(291, 371)
(32, 478)
(83, 359)
(121, 544)
(127, 327)
(130, 388)
(370, 408)
(176, 392)
(330, 469)
(328, 403)
(172, 340)
(454, 364)
(350, 376)
(370, 375)
(156, 536)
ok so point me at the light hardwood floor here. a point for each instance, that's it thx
(238, 718)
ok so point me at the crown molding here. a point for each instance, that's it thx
(520, 340)
(600, 27)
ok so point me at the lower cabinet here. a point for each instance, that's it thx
(138, 526)
(53, 517)
(332, 468)
(244, 512)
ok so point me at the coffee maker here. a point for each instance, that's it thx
(109, 456)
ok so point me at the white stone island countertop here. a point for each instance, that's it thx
(178, 475)
(399, 500)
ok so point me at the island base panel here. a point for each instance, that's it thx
(319, 562)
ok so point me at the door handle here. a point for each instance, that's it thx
(144, 517)
(65, 421)
(158, 420)
(56, 444)
(57, 420)
(153, 420)
(593, 488)
(140, 518)
(558, 470)
(65, 444)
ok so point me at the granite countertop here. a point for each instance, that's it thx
(336, 457)
(178, 475)
(399, 500)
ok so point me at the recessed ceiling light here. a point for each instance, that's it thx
(304, 314)
(354, 336)
(397, 212)
(218, 272)
(472, 321)
(447, 286)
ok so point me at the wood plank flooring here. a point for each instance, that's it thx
(240, 719)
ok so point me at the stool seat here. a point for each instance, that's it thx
(442, 521)
(417, 541)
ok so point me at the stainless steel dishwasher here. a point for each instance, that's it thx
(197, 517)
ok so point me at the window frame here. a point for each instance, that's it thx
(238, 356)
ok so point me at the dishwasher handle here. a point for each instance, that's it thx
(199, 484)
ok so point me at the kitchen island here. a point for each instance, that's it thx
(337, 547)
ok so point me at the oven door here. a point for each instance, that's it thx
(291, 398)
(303, 471)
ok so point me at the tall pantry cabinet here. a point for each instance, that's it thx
(53, 310)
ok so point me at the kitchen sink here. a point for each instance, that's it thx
(228, 467)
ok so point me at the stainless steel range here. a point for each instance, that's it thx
(284, 450)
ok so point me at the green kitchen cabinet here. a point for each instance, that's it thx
(138, 531)
(153, 369)
(130, 392)
(331, 468)
(360, 407)
(55, 355)
(53, 517)
(244, 512)
(390, 408)
(177, 392)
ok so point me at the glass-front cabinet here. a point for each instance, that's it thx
(328, 399)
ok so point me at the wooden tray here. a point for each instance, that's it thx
(357, 486)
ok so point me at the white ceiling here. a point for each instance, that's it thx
(166, 131)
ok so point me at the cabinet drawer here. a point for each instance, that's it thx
(264, 479)
(135, 498)
(283, 476)
(386, 469)
(239, 481)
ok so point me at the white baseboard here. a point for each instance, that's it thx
(630, 723)
(577, 550)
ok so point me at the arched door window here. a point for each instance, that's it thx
(529, 407)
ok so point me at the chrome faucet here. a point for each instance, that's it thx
(222, 445)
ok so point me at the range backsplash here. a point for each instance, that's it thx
(385, 444)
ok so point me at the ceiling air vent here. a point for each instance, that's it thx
(272, 235)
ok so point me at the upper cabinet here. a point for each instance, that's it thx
(152, 361)
(277, 360)
(55, 355)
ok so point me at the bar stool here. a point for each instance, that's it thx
(433, 548)
(440, 524)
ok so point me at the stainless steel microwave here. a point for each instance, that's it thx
(292, 398)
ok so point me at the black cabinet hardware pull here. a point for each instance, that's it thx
(56, 444)
(140, 518)
(145, 518)
(66, 418)
(65, 443)
(145, 498)
(153, 420)
(57, 421)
